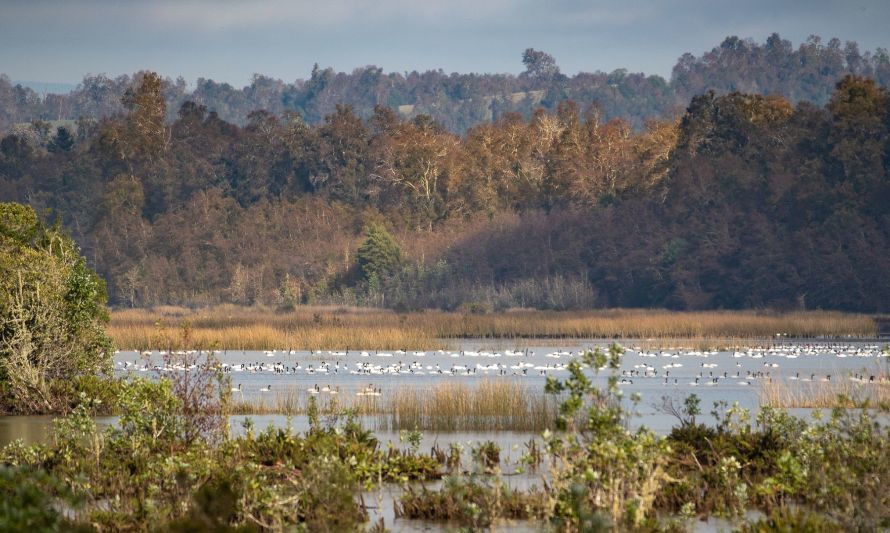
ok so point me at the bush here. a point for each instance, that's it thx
(52, 314)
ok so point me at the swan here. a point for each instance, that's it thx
(267, 388)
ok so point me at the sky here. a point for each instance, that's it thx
(230, 40)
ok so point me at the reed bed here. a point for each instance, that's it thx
(330, 327)
(293, 402)
(825, 394)
(265, 337)
(290, 403)
(644, 324)
(490, 405)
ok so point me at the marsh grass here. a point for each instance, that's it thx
(825, 394)
(490, 405)
(293, 401)
(331, 327)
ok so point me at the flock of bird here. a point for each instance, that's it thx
(528, 363)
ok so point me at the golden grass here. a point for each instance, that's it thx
(490, 405)
(232, 327)
(498, 405)
(825, 394)
(289, 402)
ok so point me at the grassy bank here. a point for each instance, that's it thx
(232, 327)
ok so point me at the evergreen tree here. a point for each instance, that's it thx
(62, 142)
(379, 255)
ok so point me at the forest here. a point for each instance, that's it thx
(769, 194)
(460, 101)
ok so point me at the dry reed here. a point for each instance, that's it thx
(232, 327)
(825, 394)
(490, 405)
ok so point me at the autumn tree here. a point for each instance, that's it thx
(416, 161)
(861, 117)
(143, 133)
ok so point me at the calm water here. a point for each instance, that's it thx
(733, 376)
(717, 375)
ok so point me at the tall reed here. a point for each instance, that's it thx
(825, 394)
(489, 405)
(329, 327)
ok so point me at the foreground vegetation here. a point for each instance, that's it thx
(329, 328)
(170, 463)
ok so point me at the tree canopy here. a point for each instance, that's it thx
(744, 201)
(460, 101)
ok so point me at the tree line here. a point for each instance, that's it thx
(744, 201)
(460, 101)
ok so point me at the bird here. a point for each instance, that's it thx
(267, 388)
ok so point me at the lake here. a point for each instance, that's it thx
(731, 375)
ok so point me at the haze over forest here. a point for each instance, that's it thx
(808, 72)
(757, 176)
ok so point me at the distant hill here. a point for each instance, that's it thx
(460, 101)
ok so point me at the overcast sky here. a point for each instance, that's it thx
(230, 40)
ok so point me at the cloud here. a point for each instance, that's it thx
(230, 15)
(230, 39)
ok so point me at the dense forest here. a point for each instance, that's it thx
(460, 101)
(743, 201)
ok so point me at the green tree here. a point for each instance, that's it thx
(62, 142)
(52, 311)
(379, 255)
